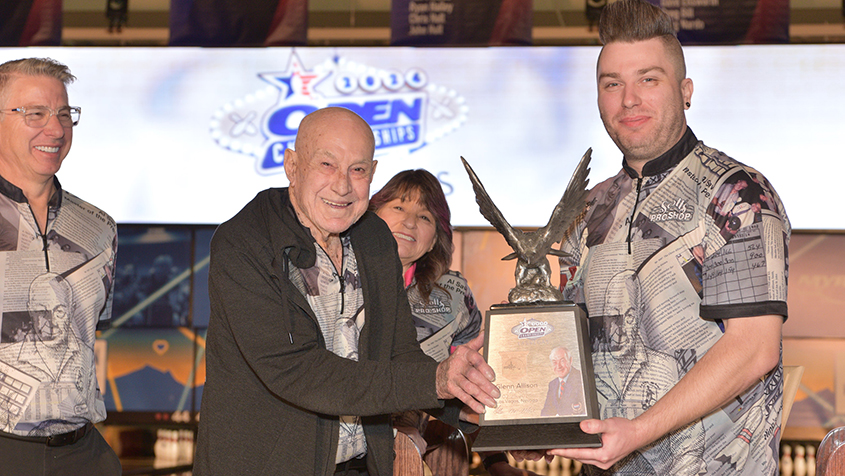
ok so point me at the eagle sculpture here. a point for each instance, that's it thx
(533, 274)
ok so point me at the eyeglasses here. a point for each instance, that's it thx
(38, 116)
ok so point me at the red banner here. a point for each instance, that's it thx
(31, 23)
(238, 22)
(461, 22)
(701, 22)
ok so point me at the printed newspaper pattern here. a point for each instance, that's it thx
(449, 316)
(706, 236)
(55, 289)
(338, 303)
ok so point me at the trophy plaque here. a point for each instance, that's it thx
(537, 344)
(529, 346)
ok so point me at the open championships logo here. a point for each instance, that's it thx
(404, 109)
(532, 329)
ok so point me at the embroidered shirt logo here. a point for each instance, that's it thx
(679, 210)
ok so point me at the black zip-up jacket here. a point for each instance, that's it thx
(273, 392)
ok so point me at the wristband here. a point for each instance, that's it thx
(493, 459)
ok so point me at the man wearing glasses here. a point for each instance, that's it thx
(49, 398)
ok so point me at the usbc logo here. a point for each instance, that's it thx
(404, 109)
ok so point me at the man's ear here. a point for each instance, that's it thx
(686, 90)
(373, 174)
(290, 164)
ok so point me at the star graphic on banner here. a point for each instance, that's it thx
(296, 80)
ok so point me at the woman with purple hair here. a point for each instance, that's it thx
(413, 205)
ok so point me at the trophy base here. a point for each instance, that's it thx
(534, 437)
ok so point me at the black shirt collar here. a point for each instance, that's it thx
(16, 194)
(669, 159)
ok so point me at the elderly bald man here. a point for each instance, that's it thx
(311, 345)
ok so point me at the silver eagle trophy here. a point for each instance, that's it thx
(530, 248)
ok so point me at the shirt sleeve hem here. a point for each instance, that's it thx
(730, 311)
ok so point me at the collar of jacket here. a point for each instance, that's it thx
(294, 238)
(669, 159)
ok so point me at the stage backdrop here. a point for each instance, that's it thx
(189, 135)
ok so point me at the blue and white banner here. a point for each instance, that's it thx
(190, 135)
(405, 109)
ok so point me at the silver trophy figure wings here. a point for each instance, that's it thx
(533, 273)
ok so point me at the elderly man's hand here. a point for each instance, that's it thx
(466, 376)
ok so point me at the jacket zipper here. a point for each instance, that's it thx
(338, 276)
(342, 291)
(634, 212)
(42, 235)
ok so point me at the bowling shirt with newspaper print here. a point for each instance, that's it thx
(448, 318)
(337, 300)
(659, 263)
(56, 287)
